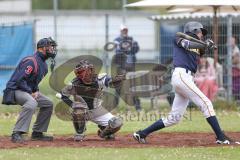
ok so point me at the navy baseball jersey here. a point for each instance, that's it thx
(185, 58)
(129, 51)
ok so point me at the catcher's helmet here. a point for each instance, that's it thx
(194, 27)
(85, 71)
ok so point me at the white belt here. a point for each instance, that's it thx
(184, 70)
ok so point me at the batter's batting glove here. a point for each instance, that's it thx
(210, 44)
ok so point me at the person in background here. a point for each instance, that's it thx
(205, 78)
(126, 50)
(235, 69)
(235, 53)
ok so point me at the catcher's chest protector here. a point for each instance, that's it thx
(87, 92)
(84, 90)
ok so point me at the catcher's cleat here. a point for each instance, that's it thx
(110, 137)
(100, 133)
(106, 137)
(138, 137)
(79, 137)
(17, 137)
(39, 136)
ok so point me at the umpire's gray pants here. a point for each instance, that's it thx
(29, 105)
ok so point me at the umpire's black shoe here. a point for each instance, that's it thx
(139, 137)
(39, 136)
(17, 137)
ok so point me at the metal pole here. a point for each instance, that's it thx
(158, 41)
(124, 11)
(55, 9)
(106, 58)
(34, 35)
(229, 58)
(215, 33)
(93, 4)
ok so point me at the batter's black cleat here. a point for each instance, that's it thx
(17, 137)
(138, 137)
(225, 140)
(39, 136)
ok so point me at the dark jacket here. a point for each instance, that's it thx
(24, 78)
(130, 52)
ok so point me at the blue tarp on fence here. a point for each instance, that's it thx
(16, 42)
(167, 34)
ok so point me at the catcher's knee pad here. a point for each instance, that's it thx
(114, 125)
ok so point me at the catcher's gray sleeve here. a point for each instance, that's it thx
(66, 93)
(78, 100)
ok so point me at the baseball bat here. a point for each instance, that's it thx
(185, 36)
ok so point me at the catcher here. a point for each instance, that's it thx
(86, 89)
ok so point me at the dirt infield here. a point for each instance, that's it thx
(126, 141)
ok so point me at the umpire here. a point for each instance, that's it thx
(24, 86)
(125, 59)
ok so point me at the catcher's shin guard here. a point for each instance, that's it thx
(79, 120)
(114, 125)
(80, 127)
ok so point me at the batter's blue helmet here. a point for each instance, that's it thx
(194, 27)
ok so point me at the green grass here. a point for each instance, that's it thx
(132, 122)
(192, 122)
(229, 121)
(219, 153)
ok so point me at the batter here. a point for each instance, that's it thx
(185, 59)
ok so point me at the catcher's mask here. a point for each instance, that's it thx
(85, 71)
(50, 46)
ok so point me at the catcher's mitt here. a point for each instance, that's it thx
(117, 80)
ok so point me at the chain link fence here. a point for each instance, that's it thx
(86, 33)
(227, 65)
